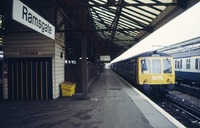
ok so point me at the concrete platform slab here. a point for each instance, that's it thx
(111, 104)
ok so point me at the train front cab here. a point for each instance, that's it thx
(155, 71)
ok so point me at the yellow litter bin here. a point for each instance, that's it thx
(68, 88)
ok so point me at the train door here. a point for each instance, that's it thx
(1, 78)
(30, 78)
(197, 64)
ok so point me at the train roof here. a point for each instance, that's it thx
(183, 49)
(186, 53)
(147, 54)
(152, 53)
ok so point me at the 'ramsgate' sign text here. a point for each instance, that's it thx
(28, 17)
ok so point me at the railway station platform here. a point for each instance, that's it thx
(111, 103)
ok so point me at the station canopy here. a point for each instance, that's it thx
(113, 25)
(124, 23)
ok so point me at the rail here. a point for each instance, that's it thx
(193, 115)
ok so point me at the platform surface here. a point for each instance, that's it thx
(111, 103)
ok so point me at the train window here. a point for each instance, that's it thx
(167, 68)
(197, 63)
(146, 67)
(180, 64)
(176, 63)
(156, 66)
(187, 63)
(133, 66)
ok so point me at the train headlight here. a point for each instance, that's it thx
(145, 81)
(169, 81)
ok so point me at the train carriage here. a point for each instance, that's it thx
(187, 67)
(150, 69)
(186, 55)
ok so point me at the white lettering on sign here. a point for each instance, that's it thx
(31, 19)
(70, 61)
(105, 58)
(28, 53)
(26, 15)
(157, 78)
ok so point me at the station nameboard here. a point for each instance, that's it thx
(105, 58)
(31, 19)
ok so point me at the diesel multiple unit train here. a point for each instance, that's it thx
(151, 71)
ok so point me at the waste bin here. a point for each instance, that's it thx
(68, 88)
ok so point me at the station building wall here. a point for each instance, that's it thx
(26, 46)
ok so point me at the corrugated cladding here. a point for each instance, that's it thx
(23, 42)
(58, 70)
(31, 44)
(58, 60)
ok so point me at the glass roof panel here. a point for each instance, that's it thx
(123, 23)
(142, 12)
(156, 12)
(160, 7)
(166, 1)
(136, 17)
(131, 1)
(97, 1)
(135, 14)
(129, 22)
(102, 10)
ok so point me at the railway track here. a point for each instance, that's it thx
(189, 90)
(187, 115)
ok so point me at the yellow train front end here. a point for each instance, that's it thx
(158, 70)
